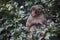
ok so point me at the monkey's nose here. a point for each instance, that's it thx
(33, 13)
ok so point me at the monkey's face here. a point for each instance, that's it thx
(36, 10)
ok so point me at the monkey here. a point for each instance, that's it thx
(36, 17)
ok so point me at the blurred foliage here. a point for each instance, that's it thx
(14, 13)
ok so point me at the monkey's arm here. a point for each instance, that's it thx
(28, 24)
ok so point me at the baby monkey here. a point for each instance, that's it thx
(36, 17)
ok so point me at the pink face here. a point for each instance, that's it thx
(36, 11)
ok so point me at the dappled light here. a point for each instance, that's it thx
(14, 15)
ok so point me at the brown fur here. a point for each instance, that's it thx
(35, 19)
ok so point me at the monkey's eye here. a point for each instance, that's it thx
(38, 11)
(33, 8)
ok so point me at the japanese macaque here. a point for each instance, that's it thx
(36, 17)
